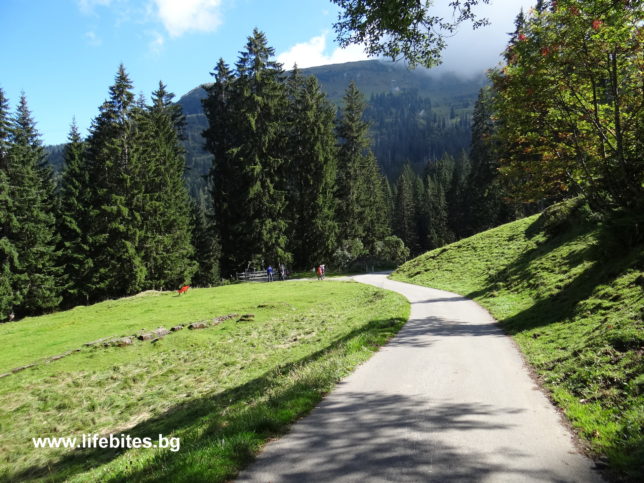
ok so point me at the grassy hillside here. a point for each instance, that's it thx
(573, 299)
(224, 390)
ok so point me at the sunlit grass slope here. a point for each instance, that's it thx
(573, 299)
(223, 390)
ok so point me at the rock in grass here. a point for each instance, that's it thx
(197, 325)
(155, 334)
(95, 342)
(176, 328)
(122, 342)
(161, 332)
(22, 368)
(221, 318)
(246, 318)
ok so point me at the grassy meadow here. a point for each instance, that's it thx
(224, 390)
(573, 299)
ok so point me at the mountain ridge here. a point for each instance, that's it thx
(416, 115)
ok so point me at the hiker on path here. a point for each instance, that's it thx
(318, 271)
(269, 273)
(282, 272)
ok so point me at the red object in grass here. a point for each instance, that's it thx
(597, 24)
(183, 289)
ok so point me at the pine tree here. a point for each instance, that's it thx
(457, 197)
(437, 182)
(30, 222)
(165, 245)
(312, 170)
(8, 254)
(361, 201)
(114, 163)
(249, 168)
(389, 201)
(406, 215)
(207, 250)
(225, 185)
(486, 207)
(74, 220)
(377, 223)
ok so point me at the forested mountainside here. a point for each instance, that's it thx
(414, 116)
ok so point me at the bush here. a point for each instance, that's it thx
(393, 250)
(561, 217)
(349, 252)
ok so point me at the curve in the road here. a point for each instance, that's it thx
(448, 399)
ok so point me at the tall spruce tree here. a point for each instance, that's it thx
(362, 213)
(225, 185)
(311, 156)
(114, 167)
(438, 179)
(8, 254)
(207, 250)
(406, 210)
(165, 245)
(457, 197)
(29, 224)
(245, 112)
(486, 206)
(74, 220)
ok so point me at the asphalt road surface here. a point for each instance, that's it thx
(448, 399)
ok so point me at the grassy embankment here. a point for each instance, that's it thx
(224, 390)
(573, 299)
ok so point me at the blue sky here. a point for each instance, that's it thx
(64, 53)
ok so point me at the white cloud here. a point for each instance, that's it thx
(93, 39)
(180, 16)
(87, 6)
(311, 53)
(156, 44)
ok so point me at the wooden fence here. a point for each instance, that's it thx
(253, 276)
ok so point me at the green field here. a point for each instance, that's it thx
(573, 299)
(224, 390)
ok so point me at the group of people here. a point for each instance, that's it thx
(320, 271)
(282, 272)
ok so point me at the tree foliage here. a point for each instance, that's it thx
(362, 207)
(28, 239)
(165, 244)
(113, 164)
(311, 178)
(245, 110)
(397, 29)
(73, 221)
(569, 104)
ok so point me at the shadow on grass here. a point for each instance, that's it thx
(214, 434)
(562, 304)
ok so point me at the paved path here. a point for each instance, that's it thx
(448, 399)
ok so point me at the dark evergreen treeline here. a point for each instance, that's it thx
(406, 128)
(118, 221)
(455, 197)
